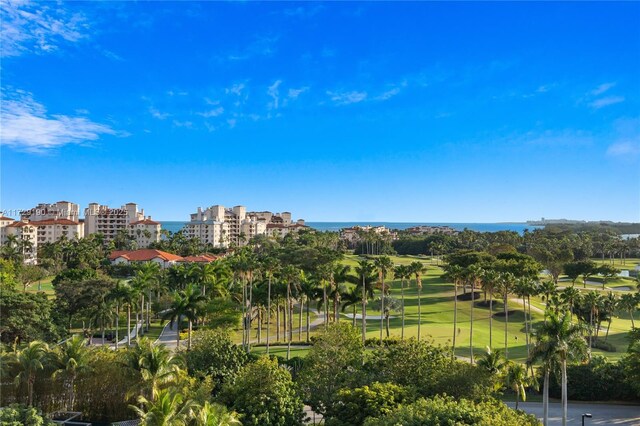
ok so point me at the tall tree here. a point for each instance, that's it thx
(71, 359)
(383, 265)
(27, 362)
(417, 269)
(557, 342)
(402, 273)
(365, 269)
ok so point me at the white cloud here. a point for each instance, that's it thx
(603, 102)
(27, 126)
(274, 93)
(388, 94)
(30, 27)
(187, 124)
(346, 98)
(157, 114)
(626, 148)
(212, 113)
(602, 88)
(232, 122)
(236, 89)
(294, 93)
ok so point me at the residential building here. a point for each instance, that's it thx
(145, 232)
(427, 230)
(162, 258)
(100, 219)
(4, 222)
(222, 226)
(57, 210)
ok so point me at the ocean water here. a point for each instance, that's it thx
(175, 226)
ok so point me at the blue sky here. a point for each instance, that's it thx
(441, 112)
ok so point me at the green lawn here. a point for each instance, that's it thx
(281, 351)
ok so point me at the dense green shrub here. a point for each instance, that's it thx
(598, 380)
(27, 317)
(333, 363)
(21, 415)
(445, 410)
(265, 395)
(428, 369)
(353, 406)
(213, 354)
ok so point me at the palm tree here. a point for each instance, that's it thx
(417, 268)
(383, 264)
(308, 289)
(507, 280)
(365, 281)
(518, 380)
(489, 282)
(524, 286)
(609, 305)
(340, 275)
(209, 414)
(102, 314)
(401, 272)
(269, 265)
(169, 409)
(570, 295)
(557, 341)
(592, 301)
(28, 361)
(493, 361)
(474, 275)
(456, 274)
(629, 303)
(119, 295)
(186, 303)
(351, 297)
(155, 365)
(71, 359)
(148, 276)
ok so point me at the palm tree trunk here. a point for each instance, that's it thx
(128, 324)
(268, 311)
(300, 319)
(419, 311)
(381, 312)
(455, 319)
(491, 320)
(564, 392)
(324, 302)
(517, 398)
(178, 333)
(250, 312)
(608, 327)
(278, 321)
(244, 313)
(117, 323)
(470, 324)
(526, 323)
(364, 310)
(354, 316)
(30, 389)
(506, 328)
(141, 310)
(545, 397)
(402, 297)
(289, 312)
(633, 325)
(308, 326)
(72, 393)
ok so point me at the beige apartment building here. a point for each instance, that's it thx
(57, 210)
(101, 219)
(222, 226)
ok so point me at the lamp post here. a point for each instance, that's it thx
(587, 415)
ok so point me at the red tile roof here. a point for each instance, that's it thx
(145, 222)
(144, 255)
(5, 218)
(205, 258)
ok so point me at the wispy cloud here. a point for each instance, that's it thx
(624, 149)
(603, 102)
(236, 89)
(157, 114)
(274, 93)
(303, 11)
(261, 46)
(30, 27)
(27, 126)
(294, 93)
(212, 112)
(602, 88)
(626, 139)
(346, 98)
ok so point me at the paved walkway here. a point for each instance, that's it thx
(603, 414)
(168, 335)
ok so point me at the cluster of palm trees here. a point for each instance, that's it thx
(157, 386)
